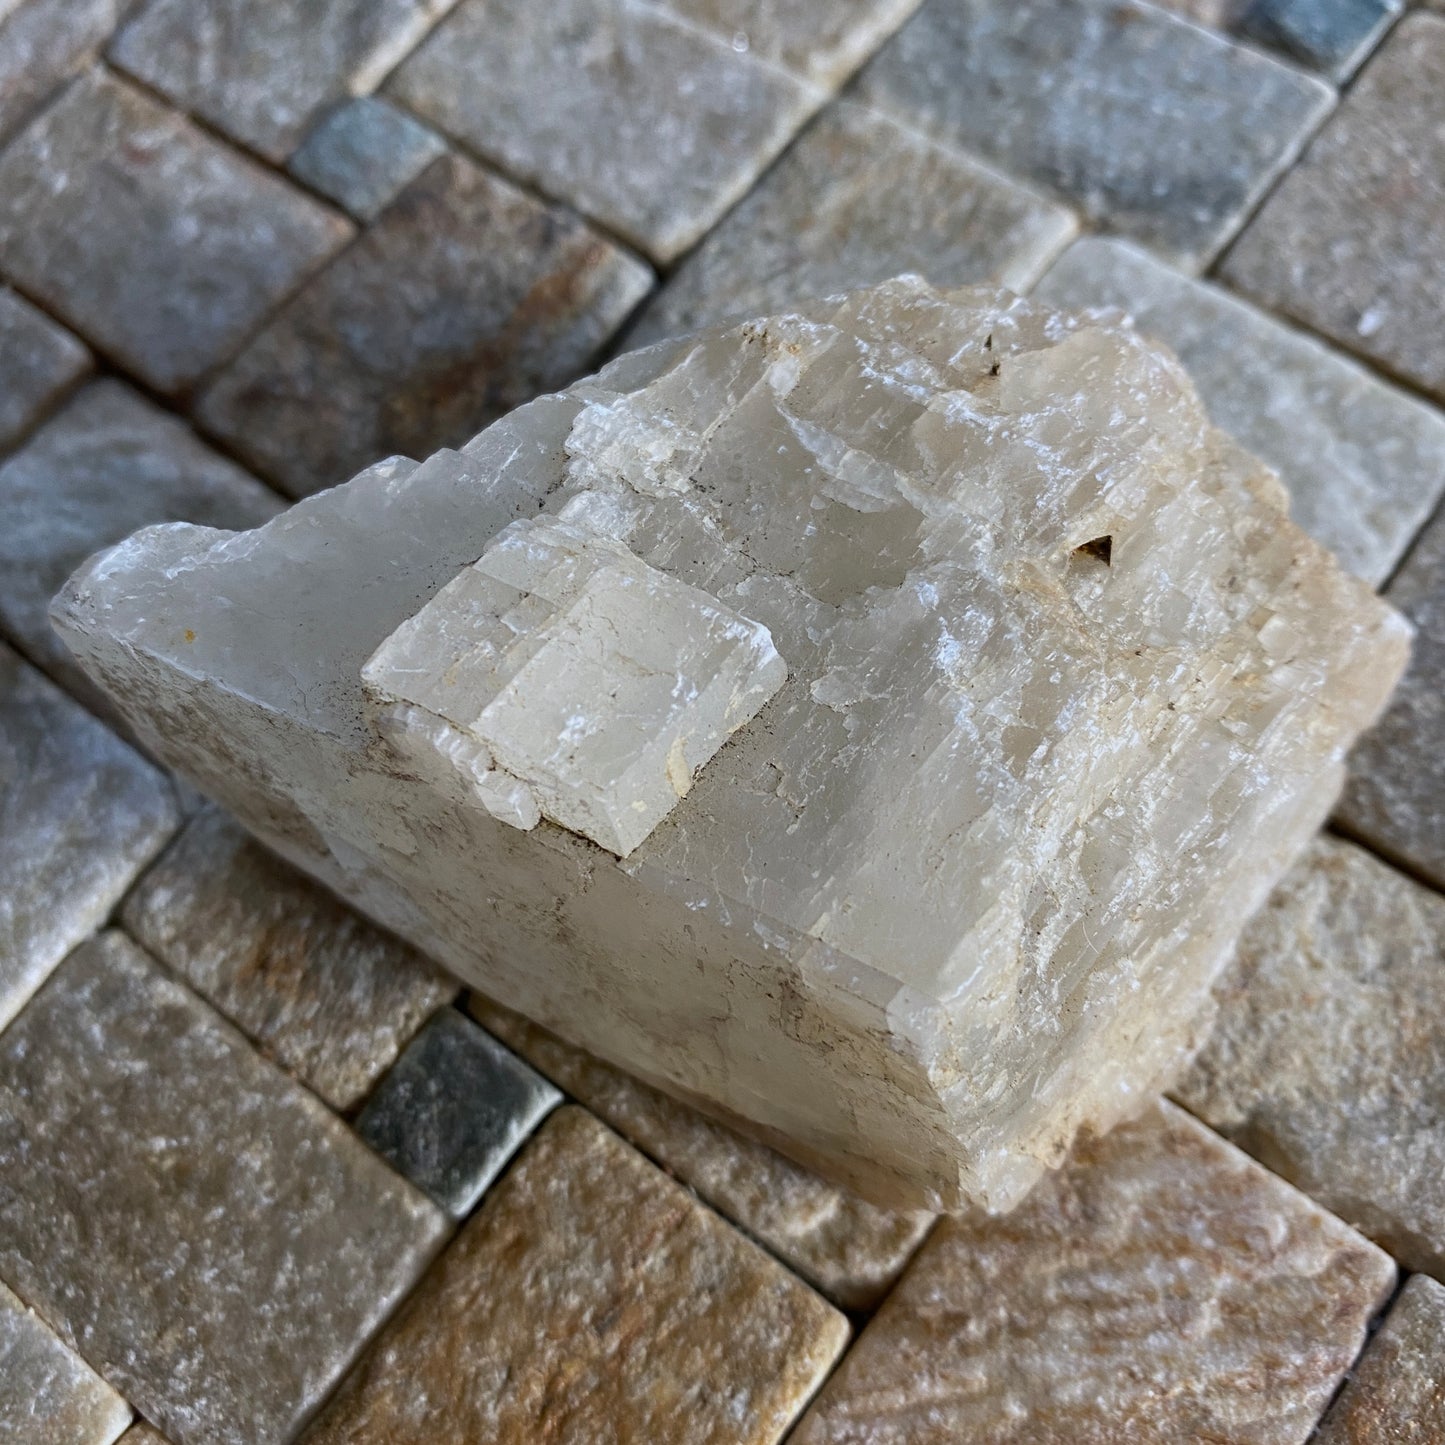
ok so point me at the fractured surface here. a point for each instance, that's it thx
(1066, 692)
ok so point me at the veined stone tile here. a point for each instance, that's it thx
(109, 462)
(857, 199)
(454, 1110)
(157, 243)
(80, 816)
(1162, 1287)
(1394, 795)
(466, 297)
(326, 994)
(641, 120)
(48, 1394)
(591, 1299)
(39, 363)
(363, 153)
(42, 44)
(203, 1231)
(1396, 1394)
(822, 40)
(851, 1250)
(261, 73)
(1350, 241)
(1150, 125)
(1328, 1060)
(1364, 463)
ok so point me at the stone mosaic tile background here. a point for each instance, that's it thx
(265, 1173)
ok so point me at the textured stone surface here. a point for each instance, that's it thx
(849, 1249)
(1395, 795)
(592, 1299)
(454, 1110)
(857, 199)
(109, 462)
(327, 995)
(1162, 1287)
(48, 1394)
(1396, 1394)
(1350, 241)
(1328, 1062)
(42, 43)
(1010, 566)
(203, 1231)
(362, 153)
(154, 241)
(39, 363)
(648, 124)
(262, 72)
(1109, 103)
(1364, 463)
(466, 297)
(143, 1434)
(80, 816)
(820, 39)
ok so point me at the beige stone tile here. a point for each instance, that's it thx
(158, 244)
(649, 124)
(1394, 796)
(326, 994)
(1161, 1288)
(1396, 1393)
(1328, 1060)
(591, 1300)
(1350, 241)
(48, 1394)
(200, 1229)
(856, 199)
(850, 1249)
(466, 297)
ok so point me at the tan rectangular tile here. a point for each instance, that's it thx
(202, 1231)
(850, 1249)
(591, 1299)
(326, 994)
(1163, 1287)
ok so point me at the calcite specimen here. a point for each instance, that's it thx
(1026, 688)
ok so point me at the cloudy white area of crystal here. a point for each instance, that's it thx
(1065, 693)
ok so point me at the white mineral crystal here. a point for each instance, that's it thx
(873, 724)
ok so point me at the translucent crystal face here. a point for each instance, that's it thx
(1065, 692)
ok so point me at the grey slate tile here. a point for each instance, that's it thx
(1149, 125)
(106, 464)
(454, 1110)
(1364, 462)
(1349, 243)
(327, 995)
(465, 297)
(362, 153)
(80, 816)
(203, 1231)
(640, 120)
(48, 1394)
(1332, 36)
(1394, 795)
(42, 44)
(261, 73)
(39, 363)
(155, 242)
(856, 199)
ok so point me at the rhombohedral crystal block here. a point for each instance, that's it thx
(872, 724)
